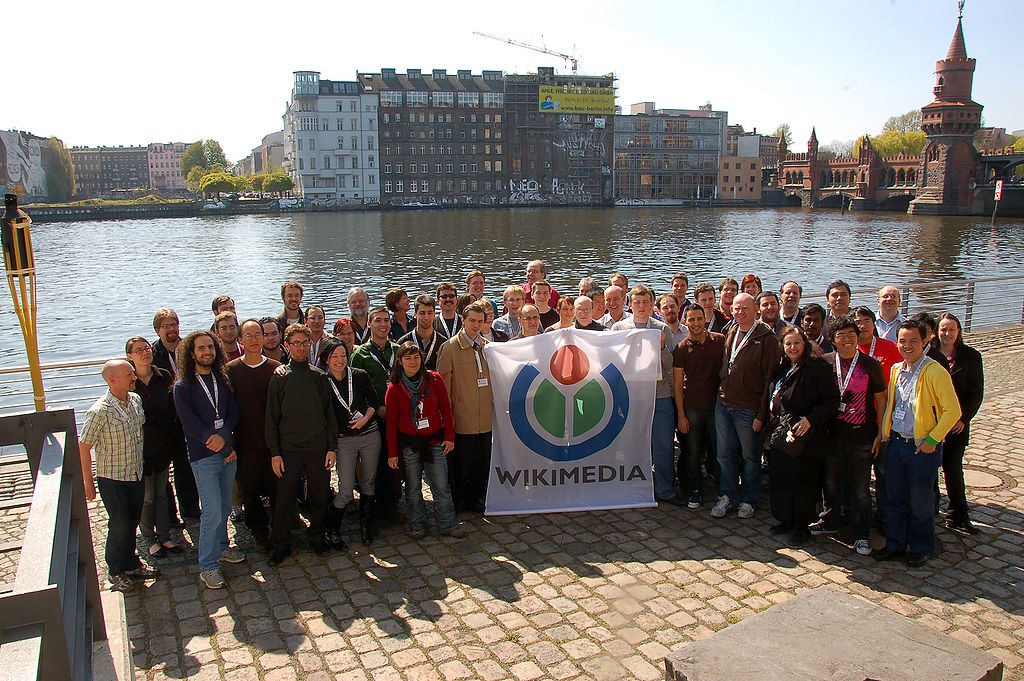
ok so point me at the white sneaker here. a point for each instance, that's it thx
(213, 579)
(231, 555)
(745, 511)
(722, 507)
(862, 547)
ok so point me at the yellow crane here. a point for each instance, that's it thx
(543, 50)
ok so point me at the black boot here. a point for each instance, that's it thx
(335, 516)
(366, 518)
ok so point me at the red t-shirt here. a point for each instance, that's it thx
(885, 352)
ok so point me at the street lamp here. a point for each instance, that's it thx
(21, 277)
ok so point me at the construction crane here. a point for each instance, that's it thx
(568, 57)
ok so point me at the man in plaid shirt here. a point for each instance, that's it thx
(113, 429)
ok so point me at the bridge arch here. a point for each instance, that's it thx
(901, 177)
(896, 202)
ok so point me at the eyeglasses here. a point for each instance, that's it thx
(530, 319)
(251, 336)
(300, 344)
(446, 296)
(169, 325)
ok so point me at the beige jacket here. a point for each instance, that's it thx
(471, 404)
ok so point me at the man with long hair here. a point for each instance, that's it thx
(208, 413)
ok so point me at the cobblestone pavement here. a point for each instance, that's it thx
(602, 595)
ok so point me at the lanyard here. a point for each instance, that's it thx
(739, 345)
(871, 350)
(337, 394)
(361, 335)
(782, 381)
(454, 328)
(214, 398)
(433, 341)
(791, 322)
(390, 363)
(120, 409)
(476, 353)
(906, 389)
(844, 382)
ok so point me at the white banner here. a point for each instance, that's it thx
(572, 421)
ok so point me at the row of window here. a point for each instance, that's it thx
(311, 143)
(339, 162)
(447, 167)
(725, 179)
(725, 166)
(424, 149)
(310, 106)
(442, 134)
(431, 117)
(393, 99)
(340, 181)
(423, 186)
(308, 124)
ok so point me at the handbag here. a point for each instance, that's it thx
(782, 439)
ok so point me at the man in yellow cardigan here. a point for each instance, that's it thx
(920, 410)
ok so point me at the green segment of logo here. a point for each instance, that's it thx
(549, 407)
(589, 408)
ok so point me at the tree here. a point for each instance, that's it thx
(215, 183)
(784, 132)
(204, 154)
(60, 172)
(904, 123)
(256, 181)
(193, 178)
(893, 143)
(836, 148)
(1019, 145)
(278, 182)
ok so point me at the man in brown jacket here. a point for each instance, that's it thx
(751, 354)
(462, 365)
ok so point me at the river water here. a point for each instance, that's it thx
(100, 282)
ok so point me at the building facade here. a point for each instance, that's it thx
(330, 141)
(272, 151)
(561, 130)
(111, 171)
(164, 161)
(667, 155)
(442, 136)
(740, 178)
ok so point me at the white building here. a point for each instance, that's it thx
(331, 141)
(165, 165)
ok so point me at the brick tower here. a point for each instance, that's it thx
(949, 159)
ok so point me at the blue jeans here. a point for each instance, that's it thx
(910, 497)
(437, 477)
(215, 479)
(663, 443)
(739, 450)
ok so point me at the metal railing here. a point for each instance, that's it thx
(53, 614)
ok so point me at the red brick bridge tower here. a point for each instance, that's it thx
(946, 175)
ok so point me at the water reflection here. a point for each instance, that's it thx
(100, 282)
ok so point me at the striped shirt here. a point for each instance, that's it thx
(114, 431)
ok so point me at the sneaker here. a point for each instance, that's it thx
(862, 547)
(122, 583)
(144, 572)
(213, 579)
(236, 515)
(694, 501)
(916, 560)
(456, 532)
(232, 555)
(745, 511)
(819, 527)
(722, 507)
(417, 533)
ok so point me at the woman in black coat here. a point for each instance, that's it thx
(800, 400)
(968, 374)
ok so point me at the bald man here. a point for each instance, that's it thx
(889, 318)
(113, 429)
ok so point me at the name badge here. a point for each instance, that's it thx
(422, 424)
(218, 424)
(899, 414)
(356, 415)
(842, 407)
(481, 382)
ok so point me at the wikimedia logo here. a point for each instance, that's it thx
(571, 411)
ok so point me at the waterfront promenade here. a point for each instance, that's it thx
(602, 595)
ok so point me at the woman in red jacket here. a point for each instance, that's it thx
(421, 427)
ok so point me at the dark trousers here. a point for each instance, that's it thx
(795, 487)
(469, 466)
(848, 467)
(700, 446)
(318, 480)
(184, 486)
(953, 474)
(388, 483)
(910, 496)
(256, 479)
(123, 502)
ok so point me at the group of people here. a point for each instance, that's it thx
(264, 409)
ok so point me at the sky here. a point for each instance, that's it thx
(114, 72)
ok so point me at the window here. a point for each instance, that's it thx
(494, 100)
(752, 180)
(412, 168)
(497, 149)
(399, 168)
(387, 118)
(497, 117)
(355, 161)
(473, 186)
(352, 105)
(387, 186)
(450, 185)
(341, 180)
(370, 161)
(497, 166)
(462, 185)
(725, 166)
(462, 167)
(340, 125)
(449, 167)
(355, 143)
(443, 99)
(372, 179)
(355, 180)
(469, 99)
(418, 99)
(390, 98)
(424, 186)
(487, 166)
(312, 164)
(324, 123)
(753, 166)
(369, 143)
(424, 167)
(299, 142)
(387, 168)
(312, 145)
(474, 167)
(341, 142)
(327, 162)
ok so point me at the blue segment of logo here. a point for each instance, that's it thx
(521, 423)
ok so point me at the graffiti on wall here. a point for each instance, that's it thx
(577, 141)
(21, 163)
(529, 191)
